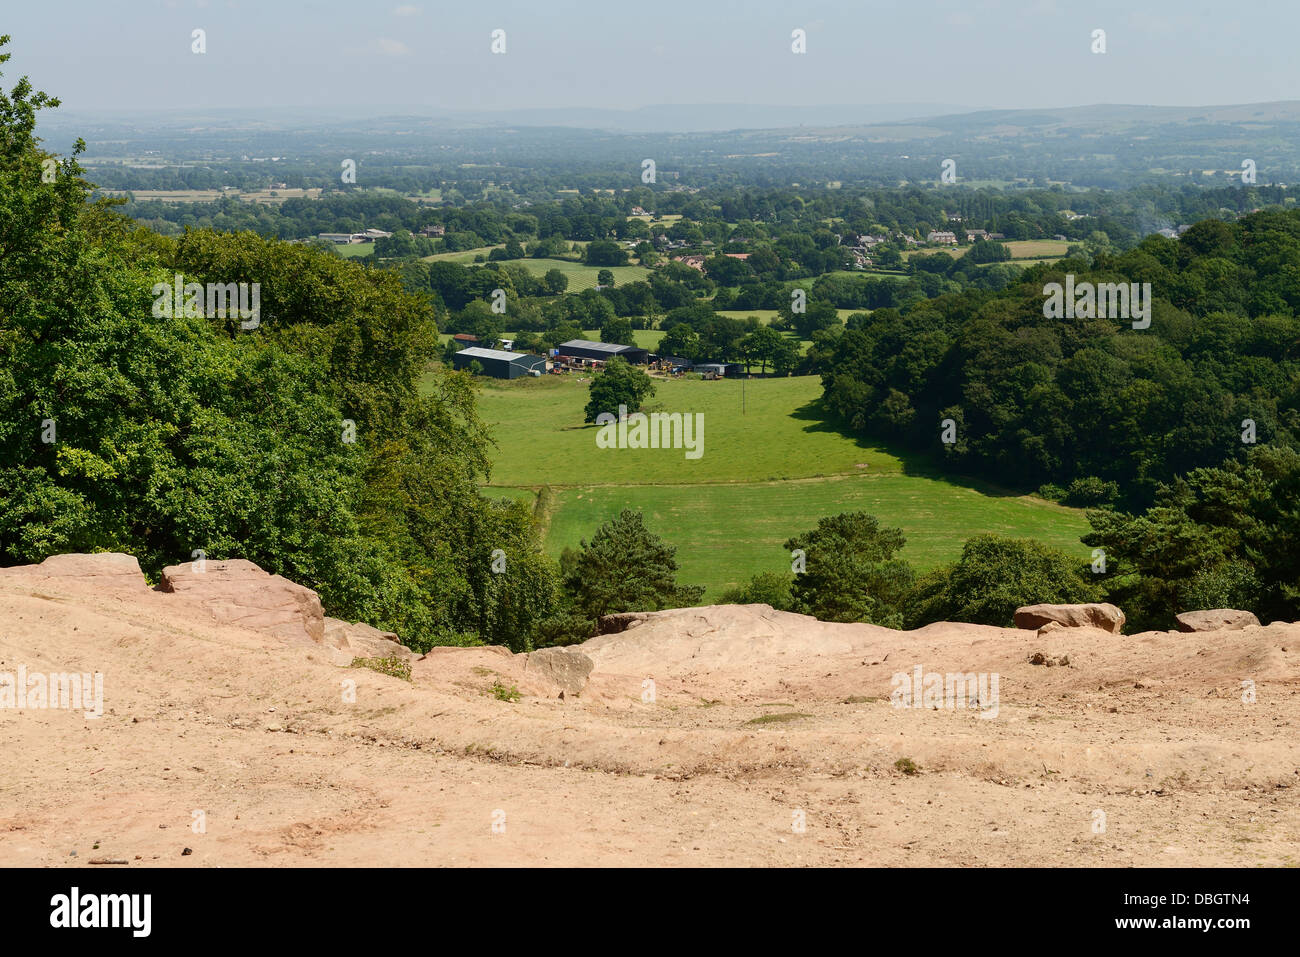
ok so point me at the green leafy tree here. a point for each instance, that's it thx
(617, 330)
(626, 567)
(851, 572)
(620, 383)
(555, 281)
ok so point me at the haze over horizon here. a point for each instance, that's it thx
(425, 57)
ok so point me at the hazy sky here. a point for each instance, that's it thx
(434, 54)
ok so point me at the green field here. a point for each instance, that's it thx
(584, 277)
(768, 471)
(354, 250)
(1021, 250)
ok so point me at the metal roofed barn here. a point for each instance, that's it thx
(499, 364)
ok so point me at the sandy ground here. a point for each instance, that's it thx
(1139, 752)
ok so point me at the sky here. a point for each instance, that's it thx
(435, 55)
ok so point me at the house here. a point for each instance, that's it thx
(941, 237)
(638, 211)
(695, 262)
(974, 234)
(341, 239)
(464, 339)
(741, 256)
(997, 237)
(434, 231)
(370, 235)
(601, 351)
(500, 365)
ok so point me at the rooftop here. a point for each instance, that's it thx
(474, 352)
(610, 347)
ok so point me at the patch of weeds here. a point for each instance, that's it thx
(481, 671)
(858, 699)
(393, 666)
(907, 766)
(502, 693)
(706, 703)
(781, 716)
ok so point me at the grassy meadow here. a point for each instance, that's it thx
(769, 470)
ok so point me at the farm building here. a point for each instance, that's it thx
(601, 351)
(498, 364)
(728, 369)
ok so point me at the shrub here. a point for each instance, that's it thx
(994, 577)
(765, 588)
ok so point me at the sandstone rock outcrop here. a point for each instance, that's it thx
(1215, 619)
(238, 592)
(567, 668)
(111, 572)
(1101, 615)
(360, 640)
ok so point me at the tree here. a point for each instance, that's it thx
(626, 567)
(620, 384)
(605, 252)
(761, 346)
(618, 331)
(605, 278)
(1228, 535)
(850, 571)
(681, 340)
(555, 282)
(361, 482)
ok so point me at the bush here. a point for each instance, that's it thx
(765, 588)
(1091, 492)
(994, 577)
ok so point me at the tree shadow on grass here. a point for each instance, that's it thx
(915, 464)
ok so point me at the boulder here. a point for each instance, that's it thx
(107, 571)
(1094, 615)
(237, 592)
(566, 667)
(364, 641)
(1215, 619)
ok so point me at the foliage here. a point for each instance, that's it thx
(619, 384)
(994, 577)
(1225, 537)
(626, 567)
(851, 573)
(304, 444)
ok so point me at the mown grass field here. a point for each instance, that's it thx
(767, 473)
(584, 277)
(1021, 250)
